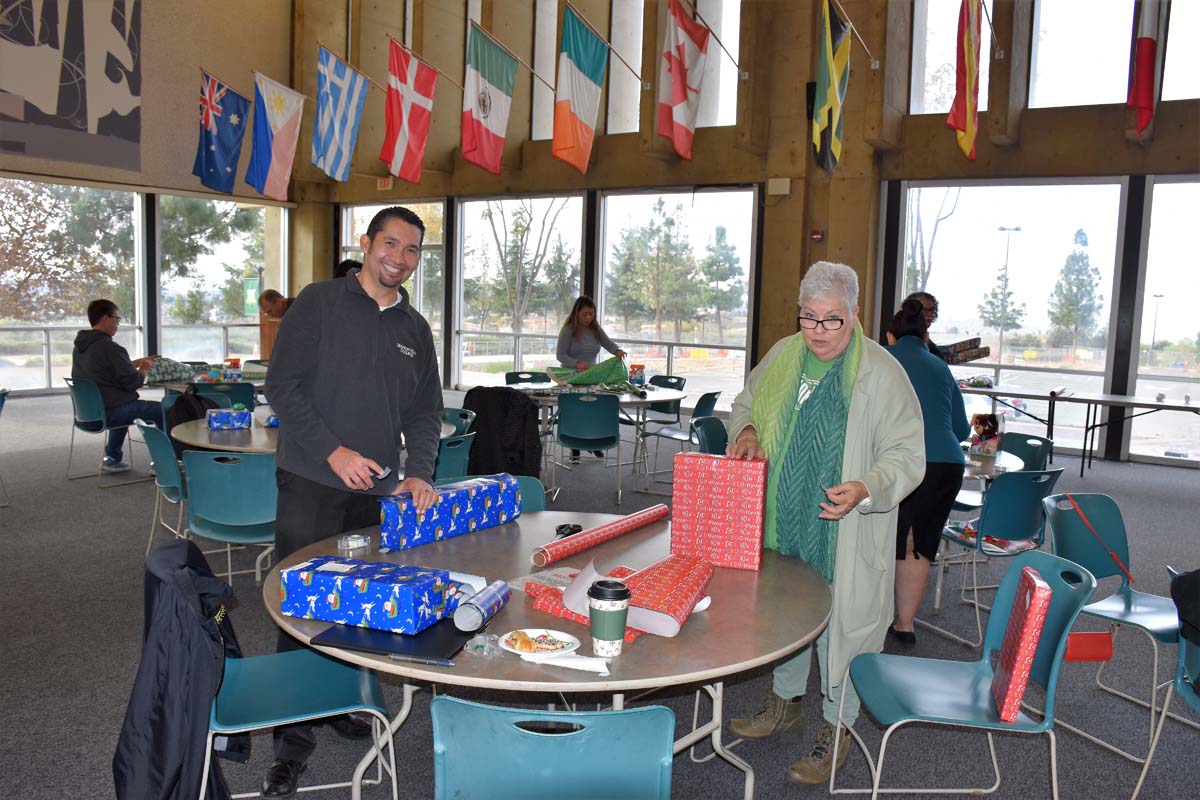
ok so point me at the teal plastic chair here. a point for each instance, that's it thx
(241, 392)
(1187, 676)
(533, 494)
(525, 377)
(482, 751)
(900, 690)
(710, 434)
(297, 686)
(589, 422)
(1012, 513)
(168, 478)
(231, 499)
(460, 418)
(668, 411)
(1155, 616)
(684, 436)
(89, 417)
(3, 490)
(1033, 450)
(453, 454)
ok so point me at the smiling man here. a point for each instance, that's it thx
(353, 370)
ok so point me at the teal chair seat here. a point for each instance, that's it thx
(460, 418)
(511, 378)
(231, 499)
(1148, 612)
(589, 422)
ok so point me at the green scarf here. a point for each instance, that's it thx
(804, 448)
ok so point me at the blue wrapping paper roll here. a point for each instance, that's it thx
(475, 611)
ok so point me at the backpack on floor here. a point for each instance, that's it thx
(187, 407)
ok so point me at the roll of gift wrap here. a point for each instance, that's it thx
(474, 612)
(563, 548)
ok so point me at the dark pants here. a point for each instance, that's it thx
(308, 512)
(148, 411)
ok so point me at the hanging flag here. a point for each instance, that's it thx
(411, 83)
(487, 97)
(1142, 96)
(581, 62)
(277, 112)
(833, 73)
(964, 113)
(223, 115)
(685, 49)
(341, 92)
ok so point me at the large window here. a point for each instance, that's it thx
(1080, 52)
(624, 86)
(1168, 360)
(217, 256)
(60, 248)
(675, 272)
(1029, 270)
(520, 276)
(935, 56)
(426, 288)
(1181, 62)
(719, 92)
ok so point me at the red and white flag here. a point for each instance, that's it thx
(411, 83)
(685, 49)
(1144, 66)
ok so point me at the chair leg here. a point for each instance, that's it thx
(154, 520)
(978, 614)
(258, 563)
(208, 744)
(1053, 763)
(4, 490)
(1154, 741)
(229, 563)
(618, 471)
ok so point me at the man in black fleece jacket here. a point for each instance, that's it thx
(99, 359)
(353, 369)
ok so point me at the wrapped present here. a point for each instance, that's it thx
(550, 600)
(963, 356)
(228, 419)
(463, 507)
(387, 597)
(1025, 623)
(717, 509)
(960, 347)
(667, 591)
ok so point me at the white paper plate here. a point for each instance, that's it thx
(571, 642)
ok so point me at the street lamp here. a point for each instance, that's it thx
(1154, 330)
(1008, 232)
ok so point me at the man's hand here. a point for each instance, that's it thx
(422, 493)
(843, 498)
(353, 468)
(746, 445)
(143, 364)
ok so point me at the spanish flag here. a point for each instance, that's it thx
(1143, 66)
(833, 74)
(964, 114)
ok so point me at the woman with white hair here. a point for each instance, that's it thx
(840, 424)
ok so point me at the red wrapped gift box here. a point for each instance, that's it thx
(549, 599)
(717, 509)
(1025, 623)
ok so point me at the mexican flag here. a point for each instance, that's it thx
(491, 73)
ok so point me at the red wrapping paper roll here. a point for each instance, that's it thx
(569, 546)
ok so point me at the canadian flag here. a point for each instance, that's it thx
(411, 83)
(685, 49)
(1144, 66)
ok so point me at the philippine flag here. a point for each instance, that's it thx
(277, 112)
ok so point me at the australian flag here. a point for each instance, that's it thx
(223, 115)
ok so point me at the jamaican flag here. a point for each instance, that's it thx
(833, 73)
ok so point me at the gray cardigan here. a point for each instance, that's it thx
(584, 347)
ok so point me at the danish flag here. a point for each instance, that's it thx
(411, 84)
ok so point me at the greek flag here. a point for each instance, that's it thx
(341, 92)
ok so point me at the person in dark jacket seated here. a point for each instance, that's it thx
(99, 359)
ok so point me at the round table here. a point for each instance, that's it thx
(255, 439)
(748, 625)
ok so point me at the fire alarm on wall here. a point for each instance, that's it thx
(817, 235)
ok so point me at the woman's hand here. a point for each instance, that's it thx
(581, 365)
(620, 353)
(746, 445)
(843, 498)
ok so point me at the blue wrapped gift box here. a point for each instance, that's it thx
(387, 597)
(463, 507)
(228, 419)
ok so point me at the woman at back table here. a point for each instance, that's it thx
(581, 337)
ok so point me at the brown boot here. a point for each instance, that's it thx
(777, 716)
(818, 764)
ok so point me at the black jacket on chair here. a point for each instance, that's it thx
(506, 432)
(186, 637)
(1185, 591)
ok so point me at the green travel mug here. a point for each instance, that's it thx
(608, 607)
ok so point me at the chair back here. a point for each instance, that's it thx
(668, 382)
(3, 398)
(1187, 673)
(525, 377)
(710, 434)
(87, 403)
(533, 493)
(1012, 508)
(488, 751)
(1071, 586)
(231, 488)
(460, 418)
(1033, 450)
(453, 454)
(242, 392)
(589, 416)
(162, 453)
(1071, 539)
(706, 405)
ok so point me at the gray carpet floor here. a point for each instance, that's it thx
(72, 594)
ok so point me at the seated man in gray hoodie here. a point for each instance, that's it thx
(99, 359)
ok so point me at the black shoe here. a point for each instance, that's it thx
(283, 779)
(906, 638)
(574, 457)
(352, 726)
(598, 453)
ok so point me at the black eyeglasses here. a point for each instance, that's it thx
(830, 324)
(117, 317)
(932, 312)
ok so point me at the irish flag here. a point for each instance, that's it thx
(491, 73)
(277, 112)
(581, 63)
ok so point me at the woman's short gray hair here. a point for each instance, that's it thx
(829, 279)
